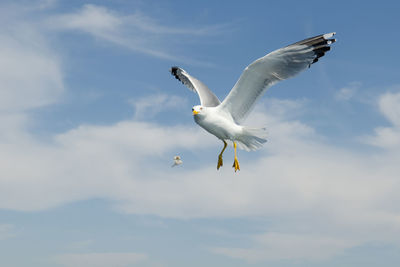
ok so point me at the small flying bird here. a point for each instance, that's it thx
(177, 161)
(224, 119)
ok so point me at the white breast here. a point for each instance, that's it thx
(221, 126)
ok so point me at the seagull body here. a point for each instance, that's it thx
(221, 124)
(177, 161)
(214, 122)
(223, 119)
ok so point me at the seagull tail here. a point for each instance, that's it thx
(252, 138)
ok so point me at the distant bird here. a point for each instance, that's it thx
(223, 119)
(177, 161)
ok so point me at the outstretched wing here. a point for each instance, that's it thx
(207, 98)
(278, 65)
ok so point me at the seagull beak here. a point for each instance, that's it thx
(195, 112)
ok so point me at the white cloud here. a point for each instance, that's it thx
(348, 92)
(7, 231)
(330, 199)
(46, 4)
(136, 31)
(151, 105)
(389, 105)
(30, 73)
(93, 19)
(100, 259)
(387, 137)
(81, 163)
(278, 246)
(346, 193)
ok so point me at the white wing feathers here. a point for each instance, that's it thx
(207, 98)
(278, 65)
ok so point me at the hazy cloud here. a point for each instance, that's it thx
(151, 105)
(136, 31)
(7, 231)
(100, 259)
(348, 92)
(387, 137)
(389, 105)
(283, 246)
(30, 72)
(338, 190)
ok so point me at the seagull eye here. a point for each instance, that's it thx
(192, 109)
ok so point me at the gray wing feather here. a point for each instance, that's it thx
(278, 65)
(207, 98)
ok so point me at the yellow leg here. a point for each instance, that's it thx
(220, 162)
(235, 162)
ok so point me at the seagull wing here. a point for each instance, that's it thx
(207, 98)
(278, 65)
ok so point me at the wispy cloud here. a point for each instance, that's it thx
(347, 92)
(30, 72)
(151, 105)
(283, 246)
(100, 259)
(389, 105)
(387, 137)
(137, 31)
(7, 231)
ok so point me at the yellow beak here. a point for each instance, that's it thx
(195, 112)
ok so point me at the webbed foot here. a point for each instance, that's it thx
(220, 162)
(236, 165)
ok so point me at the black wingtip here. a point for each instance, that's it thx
(321, 45)
(174, 72)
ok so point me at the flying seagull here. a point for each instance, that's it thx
(224, 119)
(177, 161)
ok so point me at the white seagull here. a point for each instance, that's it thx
(177, 161)
(224, 119)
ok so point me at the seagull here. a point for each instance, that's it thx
(224, 119)
(177, 161)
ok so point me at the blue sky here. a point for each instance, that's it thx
(90, 120)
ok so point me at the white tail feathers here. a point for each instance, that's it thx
(252, 138)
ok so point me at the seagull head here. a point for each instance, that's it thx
(198, 110)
